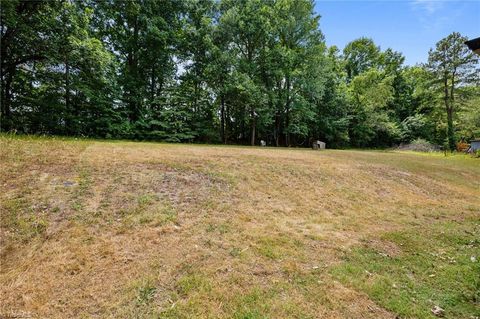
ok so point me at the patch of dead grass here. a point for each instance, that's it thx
(144, 229)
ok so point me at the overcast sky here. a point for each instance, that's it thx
(411, 27)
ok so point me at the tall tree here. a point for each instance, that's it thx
(27, 29)
(360, 55)
(331, 117)
(247, 26)
(301, 50)
(54, 70)
(143, 36)
(416, 108)
(369, 94)
(453, 65)
(220, 73)
(196, 51)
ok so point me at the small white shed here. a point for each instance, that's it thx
(319, 145)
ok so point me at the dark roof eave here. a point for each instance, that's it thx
(473, 44)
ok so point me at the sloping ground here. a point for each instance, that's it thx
(144, 230)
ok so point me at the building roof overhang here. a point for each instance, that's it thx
(474, 45)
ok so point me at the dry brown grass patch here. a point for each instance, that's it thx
(106, 230)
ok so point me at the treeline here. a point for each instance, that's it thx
(230, 71)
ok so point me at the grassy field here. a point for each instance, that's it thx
(94, 229)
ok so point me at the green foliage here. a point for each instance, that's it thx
(222, 71)
(146, 293)
(414, 126)
(360, 56)
(452, 66)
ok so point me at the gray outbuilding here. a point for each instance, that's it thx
(475, 145)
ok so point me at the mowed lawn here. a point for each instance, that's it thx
(96, 229)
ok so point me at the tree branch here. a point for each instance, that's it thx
(28, 58)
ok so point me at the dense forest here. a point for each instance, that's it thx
(229, 71)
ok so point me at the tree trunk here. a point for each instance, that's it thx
(222, 117)
(227, 121)
(287, 123)
(195, 99)
(67, 83)
(449, 110)
(133, 90)
(276, 132)
(129, 90)
(253, 128)
(152, 84)
(7, 100)
(287, 112)
(160, 87)
(278, 115)
(450, 131)
(7, 77)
